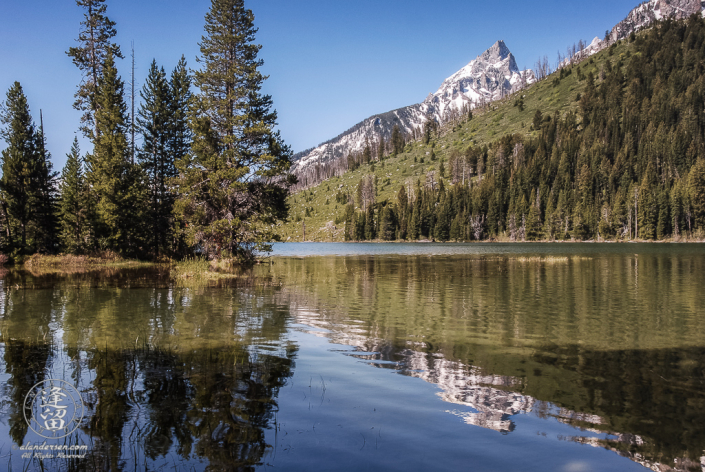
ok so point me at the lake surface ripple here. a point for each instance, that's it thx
(487, 357)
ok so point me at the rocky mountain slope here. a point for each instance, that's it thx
(650, 11)
(642, 17)
(489, 77)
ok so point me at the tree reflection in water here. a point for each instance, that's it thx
(180, 377)
(201, 385)
(612, 343)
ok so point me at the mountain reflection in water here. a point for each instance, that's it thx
(611, 344)
(605, 350)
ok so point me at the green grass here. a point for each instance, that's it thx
(200, 269)
(499, 119)
(59, 261)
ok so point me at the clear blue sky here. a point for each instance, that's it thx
(331, 63)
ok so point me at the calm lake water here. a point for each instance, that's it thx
(484, 357)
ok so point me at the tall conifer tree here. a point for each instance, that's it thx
(155, 158)
(26, 186)
(397, 140)
(117, 187)
(232, 187)
(47, 223)
(180, 138)
(73, 210)
(180, 93)
(94, 45)
(380, 148)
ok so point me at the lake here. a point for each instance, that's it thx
(484, 357)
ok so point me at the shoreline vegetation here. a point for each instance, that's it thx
(202, 272)
(196, 268)
(681, 240)
(188, 270)
(209, 178)
(108, 259)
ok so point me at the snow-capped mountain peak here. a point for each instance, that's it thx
(642, 17)
(499, 52)
(490, 76)
(652, 10)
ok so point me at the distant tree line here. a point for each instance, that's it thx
(211, 173)
(630, 163)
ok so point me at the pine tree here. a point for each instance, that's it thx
(370, 230)
(380, 148)
(360, 225)
(47, 223)
(415, 223)
(117, 187)
(180, 138)
(428, 126)
(441, 230)
(366, 152)
(26, 186)
(663, 227)
(154, 124)
(73, 210)
(94, 39)
(180, 134)
(232, 187)
(387, 225)
(456, 229)
(397, 140)
(696, 191)
(647, 206)
(533, 224)
(349, 222)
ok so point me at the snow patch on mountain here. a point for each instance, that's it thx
(642, 17)
(489, 77)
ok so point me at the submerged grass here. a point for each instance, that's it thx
(42, 264)
(106, 259)
(543, 259)
(199, 273)
(201, 269)
(193, 271)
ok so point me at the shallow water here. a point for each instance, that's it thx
(494, 357)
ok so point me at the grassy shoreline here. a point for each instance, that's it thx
(38, 261)
(507, 240)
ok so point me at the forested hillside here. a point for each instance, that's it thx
(611, 148)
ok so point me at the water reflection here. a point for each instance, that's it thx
(167, 375)
(610, 344)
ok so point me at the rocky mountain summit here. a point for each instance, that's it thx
(650, 11)
(490, 76)
(642, 17)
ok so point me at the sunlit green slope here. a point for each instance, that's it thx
(317, 210)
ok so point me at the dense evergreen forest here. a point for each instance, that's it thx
(210, 175)
(629, 163)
